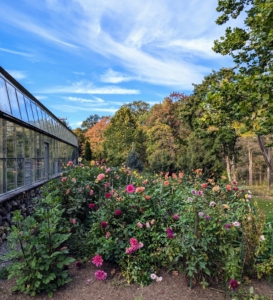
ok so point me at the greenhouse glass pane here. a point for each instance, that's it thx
(19, 141)
(29, 111)
(13, 102)
(4, 100)
(3, 152)
(22, 106)
(11, 139)
(34, 110)
(11, 174)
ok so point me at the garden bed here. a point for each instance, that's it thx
(115, 288)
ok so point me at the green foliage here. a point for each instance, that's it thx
(133, 161)
(40, 264)
(87, 151)
(4, 273)
(206, 240)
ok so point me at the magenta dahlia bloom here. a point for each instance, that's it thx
(97, 260)
(176, 217)
(91, 205)
(100, 275)
(118, 213)
(108, 195)
(170, 235)
(103, 224)
(233, 284)
(200, 193)
(130, 188)
(79, 264)
(207, 217)
(227, 226)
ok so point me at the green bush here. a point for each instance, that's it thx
(42, 260)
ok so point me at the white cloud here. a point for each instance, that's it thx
(154, 42)
(17, 74)
(83, 100)
(85, 87)
(79, 73)
(16, 52)
(114, 77)
(76, 124)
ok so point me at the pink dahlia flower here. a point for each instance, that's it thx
(100, 275)
(97, 260)
(100, 176)
(91, 193)
(64, 179)
(70, 163)
(139, 225)
(91, 205)
(176, 217)
(118, 213)
(108, 195)
(130, 188)
(103, 224)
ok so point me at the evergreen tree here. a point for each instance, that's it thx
(87, 151)
(133, 161)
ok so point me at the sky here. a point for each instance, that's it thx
(85, 57)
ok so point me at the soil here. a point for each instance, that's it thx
(173, 286)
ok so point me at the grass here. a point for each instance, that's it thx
(264, 199)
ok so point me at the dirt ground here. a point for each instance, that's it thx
(115, 288)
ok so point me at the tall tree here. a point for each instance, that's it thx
(81, 139)
(95, 136)
(91, 121)
(119, 136)
(87, 151)
(251, 48)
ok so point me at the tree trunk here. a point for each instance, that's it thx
(260, 175)
(250, 171)
(228, 168)
(264, 153)
(268, 169)
(233, 169)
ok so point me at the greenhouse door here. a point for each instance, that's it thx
(46, 160)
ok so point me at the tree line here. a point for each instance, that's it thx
(224, 126)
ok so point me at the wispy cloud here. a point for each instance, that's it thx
(85, 87)
(83, 100)
(17, 74)
(114, 77)
(28, 23)
(79, 73)
(16, 52)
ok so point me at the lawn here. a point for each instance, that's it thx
(264, 199)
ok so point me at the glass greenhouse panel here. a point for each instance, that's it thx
(13, 102)
(4, 100)
(22, 106)
(29, 111)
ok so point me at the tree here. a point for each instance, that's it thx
(91, 121)
(95, 136)
(251, 48)
(119, 136)
(81, 139)
(87, 151)
(133, 161)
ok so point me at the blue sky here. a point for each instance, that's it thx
(83, 57)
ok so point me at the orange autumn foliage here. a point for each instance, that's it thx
(96, 137)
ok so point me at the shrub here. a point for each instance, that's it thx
(40, 264)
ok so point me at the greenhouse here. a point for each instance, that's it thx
(34, 144)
